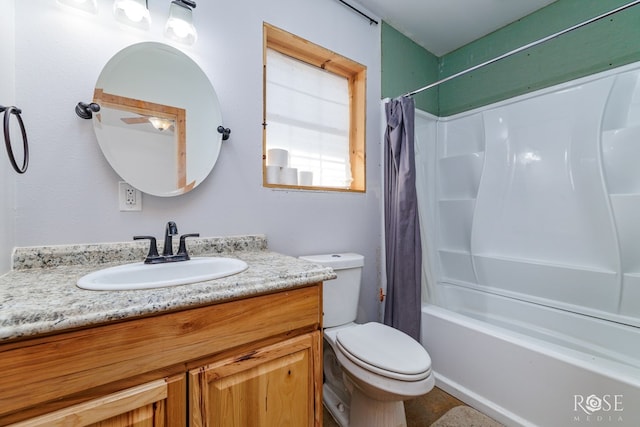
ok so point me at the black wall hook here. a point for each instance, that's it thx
(85, 111)
(225, 132)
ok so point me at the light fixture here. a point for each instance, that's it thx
(90, 6)
(132, 12)
(160, 123)
(180, 23)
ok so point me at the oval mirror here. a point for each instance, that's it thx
(158, 119)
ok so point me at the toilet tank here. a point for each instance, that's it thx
(340, 296)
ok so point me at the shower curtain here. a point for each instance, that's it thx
(402, 227)
(425, 137)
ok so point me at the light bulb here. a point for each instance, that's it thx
(180, 24)
(160, 123)
(132, 12)
(180, 27)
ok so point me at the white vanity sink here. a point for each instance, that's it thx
(143, 276)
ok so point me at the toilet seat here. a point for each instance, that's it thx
(385, 351)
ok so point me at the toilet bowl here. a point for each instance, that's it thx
(370, 368)
(381, 368)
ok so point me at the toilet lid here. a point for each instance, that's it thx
(385, 350)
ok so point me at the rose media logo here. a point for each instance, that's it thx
(606, 408)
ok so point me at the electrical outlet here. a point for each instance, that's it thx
(129, 198)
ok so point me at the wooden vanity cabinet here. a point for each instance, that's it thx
(250, 362)
(146, 405)
(272, 386)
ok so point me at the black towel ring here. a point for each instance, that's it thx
(8, 111)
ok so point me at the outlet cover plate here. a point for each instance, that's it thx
(129, 198)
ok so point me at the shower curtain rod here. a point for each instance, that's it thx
(358, 11)
(521, 48)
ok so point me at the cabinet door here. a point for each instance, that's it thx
(159, 403)
(277, 385)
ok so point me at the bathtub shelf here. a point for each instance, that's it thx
(613, 133)
(457, 265)
(463, 157)
(587, 286)
(455, 218)
(460, 175)
(462, 135)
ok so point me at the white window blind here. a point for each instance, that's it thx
(308, 115)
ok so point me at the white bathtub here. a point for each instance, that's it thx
(526, 364)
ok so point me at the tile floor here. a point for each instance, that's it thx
(421, 412)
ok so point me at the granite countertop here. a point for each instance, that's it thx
(40, 296)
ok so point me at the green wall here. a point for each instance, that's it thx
(407, 66)
(608, 43)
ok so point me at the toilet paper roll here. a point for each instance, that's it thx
(273, 174)
(305, 178)
(289, 176)
(278, 157)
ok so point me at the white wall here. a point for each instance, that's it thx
(7, 97)
(69, 195)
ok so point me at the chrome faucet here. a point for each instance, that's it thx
(167, 252)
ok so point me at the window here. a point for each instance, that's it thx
(314, 109)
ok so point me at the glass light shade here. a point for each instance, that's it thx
(132, 12)
(90, 6)
(180, 24)
(160, 123)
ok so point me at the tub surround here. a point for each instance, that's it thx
(531, 209)
(537, 198)
(40, 296)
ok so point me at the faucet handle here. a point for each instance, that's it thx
(182, 249)
(153, 249)
(170, 230)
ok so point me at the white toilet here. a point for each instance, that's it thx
(369, 369)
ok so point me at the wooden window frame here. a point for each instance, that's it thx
(356, 75)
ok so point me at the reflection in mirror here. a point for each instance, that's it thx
(157, 125)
